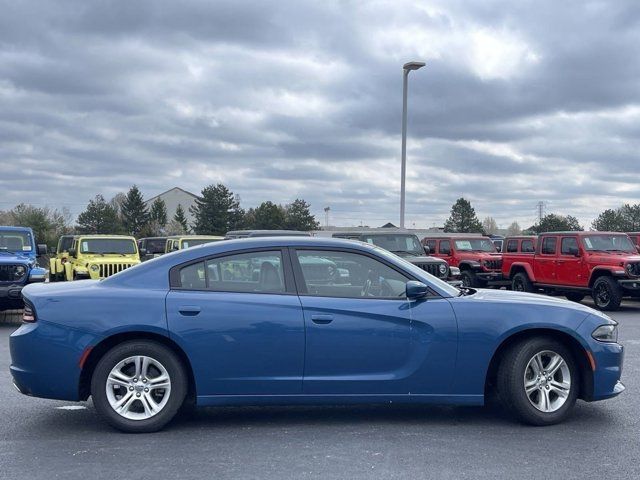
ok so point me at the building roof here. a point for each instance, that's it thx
(171, 189)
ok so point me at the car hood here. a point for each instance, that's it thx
(612, 258)
(13, 259)
(420, 258)
(522, 298)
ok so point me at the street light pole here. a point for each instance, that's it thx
(406, 68)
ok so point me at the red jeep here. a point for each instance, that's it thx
(476, 257)
(605, 265)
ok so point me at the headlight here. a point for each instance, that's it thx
(443, 269)
(20, 271)
(606, 333)
(94, 268)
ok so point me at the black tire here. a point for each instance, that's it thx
(575, 296)
(470, 279)
(521, 283)
(511, 381)
(606, 294)
(165, 356)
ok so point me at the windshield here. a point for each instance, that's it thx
(156, 245)
(608, 243)
(121, 246)
(192, 242)
(475, 245)
(396, 243)
(14, 241)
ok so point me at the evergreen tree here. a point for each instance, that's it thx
(216, 211)
(609, 221)
(134, 212)
(298, 217)
(269, 216)
(463, 218)
(181, 219)
(99, 217)
(158, 212)
(556, 223)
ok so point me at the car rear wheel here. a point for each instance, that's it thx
(138, 386)
(606, 293)
(538, 381)
(575, 296)
(521, 283)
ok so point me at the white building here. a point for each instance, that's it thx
(174, 197)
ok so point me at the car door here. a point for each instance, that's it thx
(446, 253)
(545, 262)
(239, 319)
(569, 270)
(359, 333)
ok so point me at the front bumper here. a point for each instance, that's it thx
(630, 285)
(11, 292)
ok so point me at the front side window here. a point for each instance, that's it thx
(568, 245)
(155, 245)
(512, 246)
(549, 245)
(349, 275)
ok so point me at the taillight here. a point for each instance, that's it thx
(28, 314)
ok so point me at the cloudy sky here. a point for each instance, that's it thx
(520, 102)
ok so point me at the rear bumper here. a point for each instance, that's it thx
(45, 360)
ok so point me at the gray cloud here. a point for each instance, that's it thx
(520, 102)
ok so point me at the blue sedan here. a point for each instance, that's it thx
(294, 320)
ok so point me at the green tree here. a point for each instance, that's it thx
(47, 224)
(556, 223)
(514, 229)
(269, 216)
(489, 226)
(631, 217)
(463, 218)
(610, 221)
(181, 219)
(99, 217)
(216, 211)
(134, 212)
(158, 212)
(298, 217)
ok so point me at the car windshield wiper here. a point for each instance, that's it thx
(618, 250)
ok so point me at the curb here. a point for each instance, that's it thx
(11, 317)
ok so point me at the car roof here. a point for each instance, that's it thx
(13, 228)
(354, 233)
(266, 233)
(580, 232)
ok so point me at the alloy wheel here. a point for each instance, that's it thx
(602, 295)
(138, 387)
(547, 381)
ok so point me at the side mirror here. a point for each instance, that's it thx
(72, 252)
(41, 249)
(416, 290)
(575, 251)
(143, 252)
(498, 248)
(37, 275)
(427, 250)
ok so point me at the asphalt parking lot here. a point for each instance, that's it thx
(42, 439)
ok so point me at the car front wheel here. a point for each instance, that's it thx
(538, 381)
(138, 386)
(606, 293)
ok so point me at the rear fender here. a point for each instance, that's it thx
(520, 266)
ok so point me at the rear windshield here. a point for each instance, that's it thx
(608, 243)
(120, 246)
(474, 245)
(11, 241)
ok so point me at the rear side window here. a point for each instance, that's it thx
(445, 247)
(527, 246)
(192, 277)
(549, 245)
(512, 246)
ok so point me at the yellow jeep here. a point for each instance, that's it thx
(57, 261)
(100, 256)
(179, 242)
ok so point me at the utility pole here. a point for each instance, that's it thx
(326, 216)
(540, 207)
